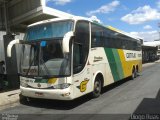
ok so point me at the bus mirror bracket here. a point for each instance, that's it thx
(66, 41)
(10, 45)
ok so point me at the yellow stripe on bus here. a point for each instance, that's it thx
(128, 65)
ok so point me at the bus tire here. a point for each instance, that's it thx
(24, 99)
(97, 88)
(137, 71)
(134, 74)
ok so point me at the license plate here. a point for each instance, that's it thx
(39, 94)
(30, 80)
(27, 80)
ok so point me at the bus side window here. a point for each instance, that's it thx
(81, 46)
(77, 63)
(97, 35)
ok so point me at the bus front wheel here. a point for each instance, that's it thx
(24, 99)
(97, 88)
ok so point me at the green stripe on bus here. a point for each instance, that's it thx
(118, 63)
(111, 60)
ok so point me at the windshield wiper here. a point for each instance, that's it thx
(43, 63)
(31, 63)
(45, 67)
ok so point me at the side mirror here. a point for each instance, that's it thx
(10, 45)
(66, 40)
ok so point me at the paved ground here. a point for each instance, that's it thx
(8, 98)
(122, 99)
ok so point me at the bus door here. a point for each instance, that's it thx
(81, 69)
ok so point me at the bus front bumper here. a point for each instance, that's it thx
(55, 94)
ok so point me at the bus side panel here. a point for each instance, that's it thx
(115, 63)
(82, 82)
(122, 61)
(100, 64)
(128, 61)
(125, 65)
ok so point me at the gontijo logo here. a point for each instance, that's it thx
(83, 85)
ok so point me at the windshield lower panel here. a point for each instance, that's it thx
(44, 61)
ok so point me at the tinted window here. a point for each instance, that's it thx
(81, 46)
(49, 30)
(104, 37)
(97, 34)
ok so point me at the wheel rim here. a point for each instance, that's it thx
(97, 87)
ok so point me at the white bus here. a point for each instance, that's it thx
(64, 59)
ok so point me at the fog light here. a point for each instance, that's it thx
(66, 94)
(23, 84)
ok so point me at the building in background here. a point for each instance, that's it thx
(4, 83)
(2, 56)
(151, 51)
(15, 16)
(155, 43)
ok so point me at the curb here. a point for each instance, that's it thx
(9, 97)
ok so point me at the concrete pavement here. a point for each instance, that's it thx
(8, 98)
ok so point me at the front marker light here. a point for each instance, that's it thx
(61, 86)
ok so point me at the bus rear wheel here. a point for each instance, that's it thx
(97, 88)
(134, 73)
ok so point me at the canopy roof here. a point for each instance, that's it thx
(22, 13)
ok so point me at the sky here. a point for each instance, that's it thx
(137, 17)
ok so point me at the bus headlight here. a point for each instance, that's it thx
(61, 86)
(23, 84)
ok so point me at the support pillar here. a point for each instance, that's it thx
(11, 64)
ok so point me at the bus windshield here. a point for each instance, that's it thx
(42, 53)
(46, 60)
